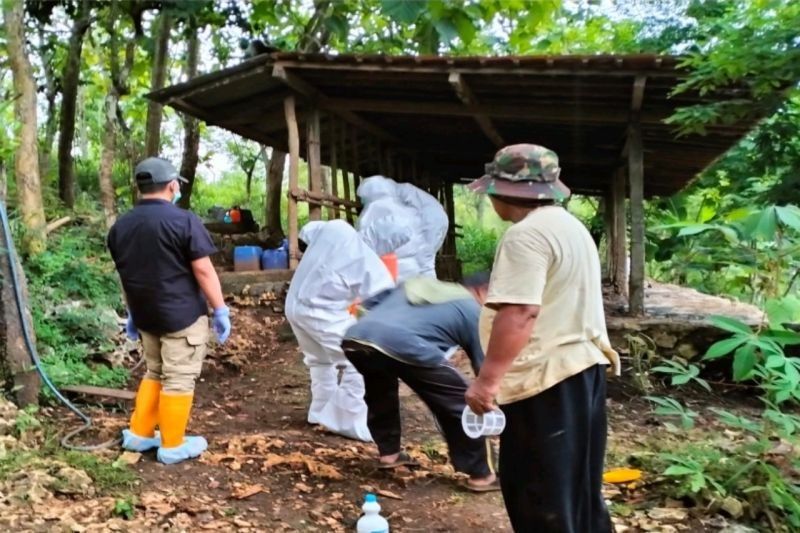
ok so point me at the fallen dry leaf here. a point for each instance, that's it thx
(668, 513)
(245, 491)
(302, 487)
(130, 458)
(389, 494)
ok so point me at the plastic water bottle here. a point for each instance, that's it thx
(372, 521)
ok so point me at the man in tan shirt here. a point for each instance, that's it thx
(547, 350)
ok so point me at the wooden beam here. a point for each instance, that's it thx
(301, 86)
(321, 198)
(294, 172)
(245, 131)
(636, 183)
(469, 99)
(553, 114)
(481, 71)
(89, 390)
(314, 162)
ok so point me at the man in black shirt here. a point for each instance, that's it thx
(162, 255)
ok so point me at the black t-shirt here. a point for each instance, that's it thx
(153, 246)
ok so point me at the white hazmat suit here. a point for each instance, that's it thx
(434, 222)
(337, 268)
(410, 206)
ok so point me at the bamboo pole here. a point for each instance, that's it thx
(345, 174)
(619, 234)
(294, 171)
(332, 124)
(314, 162)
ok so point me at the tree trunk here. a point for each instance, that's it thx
(314, 37)
(119, 88)
(107, 196)
(26, 160)
(3, 181)
(274, 169)
(51, 91)
(69, 95)
(191, 129)
(158, 76)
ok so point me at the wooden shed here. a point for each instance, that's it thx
(435, 121)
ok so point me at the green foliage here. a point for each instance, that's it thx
(757, 466)
(747, 470)
(74, 296)
(476, 249)
(670, 407)
(110, 477)
(125, 508)
(26, 420)
(753, 251)
(751, 45)
(681, 372)
(760, 355)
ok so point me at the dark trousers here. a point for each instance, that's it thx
(551, 457)
(442, 389)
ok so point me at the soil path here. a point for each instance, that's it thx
(251, 406)
(268, 470)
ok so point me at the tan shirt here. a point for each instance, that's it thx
(550, 260)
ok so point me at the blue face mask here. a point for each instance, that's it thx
(177, 197)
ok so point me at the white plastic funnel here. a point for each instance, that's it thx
(475, 426)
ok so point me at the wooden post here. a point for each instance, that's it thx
(605, 204)
(636, 182)
(619, 234)
(294, 172)
(356, 161)
(450, 207)
(345, 174)
(334, 164)
(314, 162)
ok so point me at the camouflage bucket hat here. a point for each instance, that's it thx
(526, 171)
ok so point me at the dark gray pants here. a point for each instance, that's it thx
(551, 457)
(442, 389)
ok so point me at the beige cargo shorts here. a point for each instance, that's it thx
(176, 359)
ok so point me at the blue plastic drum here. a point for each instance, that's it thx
(246, 258)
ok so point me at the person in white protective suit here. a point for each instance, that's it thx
(383, 196)
(379, 197)
(338, 267)
(434, 223)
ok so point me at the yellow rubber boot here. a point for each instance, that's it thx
(173, 417)
(142, 435)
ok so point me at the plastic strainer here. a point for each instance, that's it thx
(491, 423)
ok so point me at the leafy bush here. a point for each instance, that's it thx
(476, 249)
(753, 460)
(74, 297)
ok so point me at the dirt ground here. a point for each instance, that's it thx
(268, 470)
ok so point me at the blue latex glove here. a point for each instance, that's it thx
(221, 322)
(130, 328)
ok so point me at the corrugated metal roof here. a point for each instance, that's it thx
(419, 109)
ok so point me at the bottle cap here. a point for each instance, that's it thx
(370, 498)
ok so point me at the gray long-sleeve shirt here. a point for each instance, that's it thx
(422, 334)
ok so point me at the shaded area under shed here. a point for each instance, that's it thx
(435, 122)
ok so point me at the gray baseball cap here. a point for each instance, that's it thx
(157, 170)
